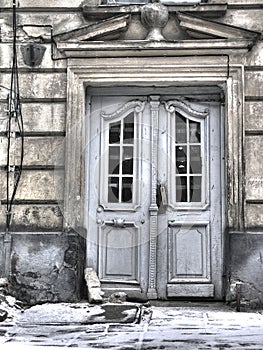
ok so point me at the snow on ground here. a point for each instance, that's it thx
(184, 327)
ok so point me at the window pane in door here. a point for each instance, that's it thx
(189, 145)
(195, 160)
(121, 149)
(126, 195)
(127, 162)
(181, 159)
(181, 129)
(113, 189)
(114, 160)
(195, 188)
(128, 131)
(115, 132)
(194, 131)
(181, 189)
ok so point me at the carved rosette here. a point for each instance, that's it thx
(154, 16)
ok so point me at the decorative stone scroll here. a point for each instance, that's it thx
(136, 105)
(172, 105)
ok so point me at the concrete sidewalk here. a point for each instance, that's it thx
(163, 326)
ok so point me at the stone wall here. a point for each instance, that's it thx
(246, 248)
(47, 267)
(246, 261)
(254, 139)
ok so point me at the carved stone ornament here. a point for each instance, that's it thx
(33, 54)
(154, 16)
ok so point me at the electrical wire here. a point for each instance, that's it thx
(15, 129)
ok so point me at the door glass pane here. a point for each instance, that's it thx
(127, 162)
(128, 132)
(188, 159)
(126, 195)
(113, 190)
(195, 160)
(181, 189)
(195, 188)
(114, 159)
(194, 130)
(115, 132)
(180, 127)
(121, 160)
(181, 159)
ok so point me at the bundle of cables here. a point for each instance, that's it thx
(14, 132)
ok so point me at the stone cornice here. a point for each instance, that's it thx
(96, 30)
(145, 48)
(207, 37)
(213, 10)
(214, 29)
(193, 27)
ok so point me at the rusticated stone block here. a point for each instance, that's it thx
(253, 116)
(45, 4)
(34, 217)
(41, 185)
(38, 85)
(254, 177)
(255, 57)
(44, 117)
(254, 215)
(243, 18)
(254, 83)
(38, 151)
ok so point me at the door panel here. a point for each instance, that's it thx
(119, 253)
(154, 200)
(118, 225)
(189, 209)
(189, 260)
(189, 252)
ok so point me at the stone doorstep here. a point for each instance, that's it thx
(81, 313)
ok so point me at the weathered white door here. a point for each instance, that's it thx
(190, 240)
(154, 220)
(118, 192)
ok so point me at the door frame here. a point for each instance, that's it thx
(175, 71)
(127, 98)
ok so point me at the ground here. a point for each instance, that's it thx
(131, 326)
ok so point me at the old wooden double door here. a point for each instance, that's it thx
(154, 191)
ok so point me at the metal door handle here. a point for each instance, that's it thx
(117, 222)
(161, 196)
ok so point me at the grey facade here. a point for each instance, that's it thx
(206, 56)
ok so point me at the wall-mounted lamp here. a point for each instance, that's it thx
(33, 54)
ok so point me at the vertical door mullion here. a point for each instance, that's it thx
(203, 142)
(187, 160)
(135, 160)
(120, 166)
